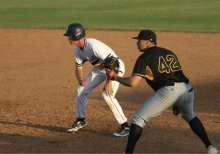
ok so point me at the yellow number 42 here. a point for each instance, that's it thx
(170, 64)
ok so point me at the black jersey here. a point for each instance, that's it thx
(160, 67)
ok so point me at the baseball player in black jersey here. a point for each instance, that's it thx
(163, 72)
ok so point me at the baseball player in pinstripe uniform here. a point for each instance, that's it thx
(94, 51)
(163, 72)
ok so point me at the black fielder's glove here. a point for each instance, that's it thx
(111, 67)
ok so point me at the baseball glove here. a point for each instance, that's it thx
(111, 66)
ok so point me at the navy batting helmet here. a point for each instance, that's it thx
(77, 30)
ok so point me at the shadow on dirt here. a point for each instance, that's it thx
(51, 128)
(157, 141)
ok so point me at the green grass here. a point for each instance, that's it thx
(164, 15)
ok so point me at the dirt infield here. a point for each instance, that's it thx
(38, 84)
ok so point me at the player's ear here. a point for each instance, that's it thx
(146, 42)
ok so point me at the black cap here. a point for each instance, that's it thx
(146, 35)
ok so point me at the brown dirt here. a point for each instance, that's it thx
(38, 84)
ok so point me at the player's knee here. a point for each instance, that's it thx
(81, 91)
(106, 98)
(109, 101)
(189, 117)
(138, 121)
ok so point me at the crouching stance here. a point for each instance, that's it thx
(163, 72)
(94, 51)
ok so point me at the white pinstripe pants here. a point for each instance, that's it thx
(95, 78)
(163, 99)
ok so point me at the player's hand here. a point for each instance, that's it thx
(82, 82)
(108, 89)
(112, 74)
(111, 64)
(176, 110)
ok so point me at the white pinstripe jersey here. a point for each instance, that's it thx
(95, 52)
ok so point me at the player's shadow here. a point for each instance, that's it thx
(51, 128)
(17, 138)
(157, 138)
(54, 129)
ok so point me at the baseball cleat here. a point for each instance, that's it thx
(212, 150)
(122, 132)
(77, 125)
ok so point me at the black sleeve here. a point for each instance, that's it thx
(140, 67)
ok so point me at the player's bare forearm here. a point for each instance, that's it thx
(129, 81)
(79, 76)
(109, 81)
(79, 73)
